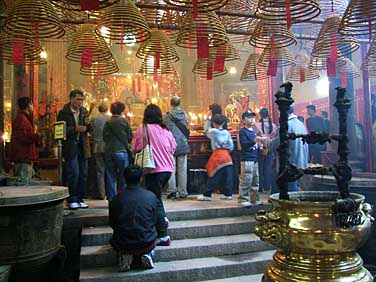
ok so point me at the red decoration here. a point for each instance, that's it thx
(87, 57)
(89, 5)
(331, 69)
(155, 76)
(272, 67)
(288, 14)
(202, 45)
(133, 87)
(195, 8)
(36, 34)
(209, 73)
(122, 38)
(99, 76)
(157, 61)
(343, 79)
(139, 83)
(333, 48)
(302, 75)
(219, 64)
(18, 51)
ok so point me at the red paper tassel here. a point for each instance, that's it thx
(36, 35)
(209, 73)
(333, 48)
(89, 5)
(18, 51)
(219, 64)
(288, 14)
(202, 45)
(343, 79)
(195, 9)
(87, 57)
(272, 67)
(139, 83)
(302, 75)
(157, 60)
(331, 69)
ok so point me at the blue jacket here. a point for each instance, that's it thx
(182, 145)
(248, 145)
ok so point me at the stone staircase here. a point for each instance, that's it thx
(212, 241)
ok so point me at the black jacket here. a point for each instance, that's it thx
(117, 134)
(133, 215)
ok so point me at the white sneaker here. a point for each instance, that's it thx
(226, 198)
(147, 261)
(246, 204)
(74, 205)
(167, 222)
(82, 205)
(203, 198)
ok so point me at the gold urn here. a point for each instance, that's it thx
(310, 246)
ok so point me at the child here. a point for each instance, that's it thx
(249, 167)
(219, 166)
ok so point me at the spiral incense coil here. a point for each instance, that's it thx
(202, 5)
(76, 4)
(226, 50)
(331, 8)
(359, 18)
(300, 10)
(252, 71)
(320, 63)
(283, 37)
(205, 25)
(345, 43)
(99, 68)
(281, 55)
(370, 60)
(202, 65)
(37, 15)
(158, 43)
(297, 72)
(349, 68)
(86, 37)
(165, 67)
(124, 19)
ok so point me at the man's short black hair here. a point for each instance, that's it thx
(133, 174)
(23, 102)
(215, 109)
(76, 92)
(291, 109)
(248, 114)
(312, 107)
(324, 114)
(219, 119)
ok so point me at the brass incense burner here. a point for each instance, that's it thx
(316, 233)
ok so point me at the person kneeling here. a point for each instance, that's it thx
(133, 216)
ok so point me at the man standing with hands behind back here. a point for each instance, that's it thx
(76, 147)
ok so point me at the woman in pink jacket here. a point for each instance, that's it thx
(163, 147)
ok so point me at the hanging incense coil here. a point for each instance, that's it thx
(147, 67)
(124, 19)
(36, 15)
(205, 25)
(76, 4)
(226, 50)
(298, 73)
(283, 37)
(281, 55)
(329, 37)
(370, 60)
(202, 5)
(158, 43)
(202, 65)
(349, 68)
(86, 37)
(320, 63)
(300, 10)
(333, 7)
(100, 67)
(252, 71)
(359, 18)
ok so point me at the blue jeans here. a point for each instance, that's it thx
(115, 165)
(76, 175)
(221, 179)
(265, 172)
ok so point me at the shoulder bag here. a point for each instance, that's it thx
(179, 125)
(145, 158)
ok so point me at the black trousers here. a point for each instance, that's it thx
(155, 183)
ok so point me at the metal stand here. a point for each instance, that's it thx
(60, 162)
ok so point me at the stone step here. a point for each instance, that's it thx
(197, 269)
(95, 256)
(244, 278)
(179, 230)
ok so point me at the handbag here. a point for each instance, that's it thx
(145, 158)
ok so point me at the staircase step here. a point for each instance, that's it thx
(179, 230)
(95, 256)
(198, 269)
(244, 278)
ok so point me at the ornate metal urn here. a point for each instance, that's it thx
(316, 233)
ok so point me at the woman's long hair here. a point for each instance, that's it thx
(264, 113)
(153, 115)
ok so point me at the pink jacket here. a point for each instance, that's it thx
(163, 144)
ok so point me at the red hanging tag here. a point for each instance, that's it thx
(195, 9)
(333, 48)
(157, 60)
(87, 57)
(343, 79)
(301, 75)
(209, 73)
(202, 45)
(288, 14)
(272, 67)
(89, 5)
(134, 87)
(18, 51)
(370, 28)
(139, 83)
(272, 47)
(155, 75)
(219, 64)
(122, 38)
(331, 69)
(36, 35)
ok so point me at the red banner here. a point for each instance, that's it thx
(331, 69)
(87, 57)
(219, 64)
(343, 79)
(89, 5)
(301, 75)
(18, 51)
(333, 48)
(157, 61)
(272, 67)
(202, 45)
(209, 73)
(139, 84)
(195, 9)
(288, 14)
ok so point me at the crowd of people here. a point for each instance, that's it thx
(137, 214)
